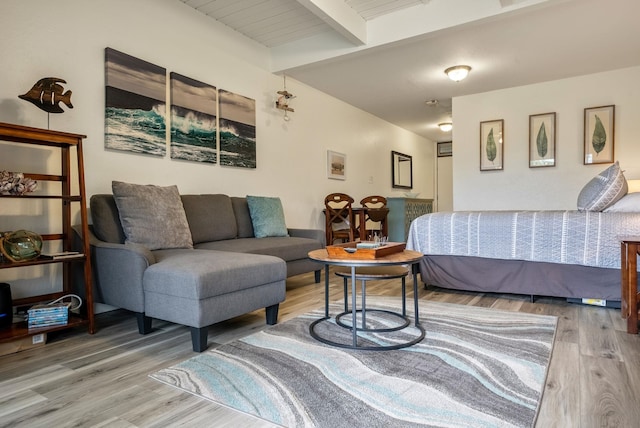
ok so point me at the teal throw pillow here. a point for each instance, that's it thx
(267, 216)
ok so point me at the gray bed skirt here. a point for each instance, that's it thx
(520, 277)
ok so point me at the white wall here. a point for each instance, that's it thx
(67, 39)
(519, 187)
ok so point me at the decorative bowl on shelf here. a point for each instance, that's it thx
(21, 245)
(411, 195)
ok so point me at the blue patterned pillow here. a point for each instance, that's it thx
(267, 216)
(603, 190)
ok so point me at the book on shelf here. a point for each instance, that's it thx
(61, 255)
(48, 315)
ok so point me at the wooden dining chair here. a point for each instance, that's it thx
(339, 218)
(376, 212)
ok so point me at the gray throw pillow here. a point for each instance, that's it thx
(603, 190)
(152, 216)
(267, 216)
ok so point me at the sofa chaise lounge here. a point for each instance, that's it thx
(219, 271)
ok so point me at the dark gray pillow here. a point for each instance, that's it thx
(603, 190)
(152, 215)
(210, 217)
(243, 218)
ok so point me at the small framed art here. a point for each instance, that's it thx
(542, 140)
(599, 134)
(336, 165)
(491, 145)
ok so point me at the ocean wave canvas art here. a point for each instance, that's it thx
(193, 120)
(237, 130)
(135, 105)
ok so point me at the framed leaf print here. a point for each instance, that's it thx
(542, 140)
(599, 134)
(491, 145)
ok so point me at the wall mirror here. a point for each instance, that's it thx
(401, 171)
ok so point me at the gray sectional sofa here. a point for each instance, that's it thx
(222, 270)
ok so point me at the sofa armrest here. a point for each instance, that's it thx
(316, 234)
(118, 270)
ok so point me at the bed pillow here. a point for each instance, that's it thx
(152, 215)
(629, 203)
(603, 190)
(267, 216)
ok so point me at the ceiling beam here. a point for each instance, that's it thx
(341, 17)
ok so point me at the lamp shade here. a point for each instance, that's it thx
(457, 72)
(445, 126)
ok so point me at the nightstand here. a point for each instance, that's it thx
(630, 247)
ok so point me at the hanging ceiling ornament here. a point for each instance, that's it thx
(284, 96)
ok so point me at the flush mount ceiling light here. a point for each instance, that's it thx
(445, 126)
(457, 72)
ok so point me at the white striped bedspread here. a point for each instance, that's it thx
(570, 237)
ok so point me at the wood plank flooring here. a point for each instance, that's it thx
(101, 380)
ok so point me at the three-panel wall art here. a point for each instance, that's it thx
(207, 124)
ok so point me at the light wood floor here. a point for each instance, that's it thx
(99, 380)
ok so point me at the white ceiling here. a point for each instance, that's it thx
(388, 57)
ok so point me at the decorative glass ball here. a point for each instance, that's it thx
(21, 245)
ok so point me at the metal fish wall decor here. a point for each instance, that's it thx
(47, 94)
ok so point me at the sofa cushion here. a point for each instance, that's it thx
(286, 248)
(243, 218)
(105, 219)
(603, 190)
(198, 274)
(152, 216)
(210, 217)
(267, 216)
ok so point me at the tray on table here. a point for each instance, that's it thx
(350, 250)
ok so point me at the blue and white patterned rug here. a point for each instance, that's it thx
(476, 367)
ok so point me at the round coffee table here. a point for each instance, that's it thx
(406, 257)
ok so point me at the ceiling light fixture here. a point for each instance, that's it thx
(457, 72)
(445, 126)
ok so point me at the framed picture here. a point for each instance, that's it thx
(135, 102)
(491, 145)
(401, 170)
(542, 140)
(237, 123)
(336, 165)
(445, 148)
(193, 119)
(599, 134)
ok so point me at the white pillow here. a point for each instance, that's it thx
(604, 190)
(630, 203)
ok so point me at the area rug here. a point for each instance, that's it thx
(476, 367)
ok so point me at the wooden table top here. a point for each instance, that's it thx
(402, 257)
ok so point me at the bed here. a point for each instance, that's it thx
(572, 254)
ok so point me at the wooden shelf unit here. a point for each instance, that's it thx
(66, 142)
